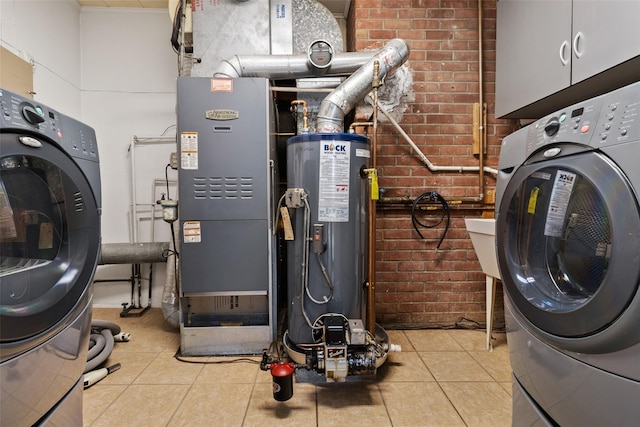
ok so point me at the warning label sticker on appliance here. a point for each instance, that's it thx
(362, 153)
(191, 232)
(562, 188)
(189, 150)
(333, 181)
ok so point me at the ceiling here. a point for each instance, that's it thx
(337, 7)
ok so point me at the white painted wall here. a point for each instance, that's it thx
(47, 34)
(114, 69)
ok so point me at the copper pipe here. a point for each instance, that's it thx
(406, 200)
(356, 124)
(371, 291)
(482, 123)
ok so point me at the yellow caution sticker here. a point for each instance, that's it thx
(533, 200)
(375, 193)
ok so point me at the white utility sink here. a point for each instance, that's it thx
(483, 237)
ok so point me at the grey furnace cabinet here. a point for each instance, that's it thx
(552, 53)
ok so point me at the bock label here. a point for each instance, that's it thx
(333, 184)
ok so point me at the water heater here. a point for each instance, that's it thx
(327, 258)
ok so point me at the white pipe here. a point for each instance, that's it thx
(425, 160)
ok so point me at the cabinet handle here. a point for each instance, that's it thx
(576, 44)
(563, 50)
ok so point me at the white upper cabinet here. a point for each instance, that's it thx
(551, 54)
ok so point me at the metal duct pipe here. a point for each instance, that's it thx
(286, 67)
(342, 100)
(133, 253)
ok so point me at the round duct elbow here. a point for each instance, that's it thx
(344, 98)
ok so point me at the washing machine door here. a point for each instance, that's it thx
(568, 247)
(49, 240)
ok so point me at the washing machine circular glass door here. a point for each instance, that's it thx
(568, 244)
(49, 239)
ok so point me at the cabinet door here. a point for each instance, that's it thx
(533, 51)
(605, 34)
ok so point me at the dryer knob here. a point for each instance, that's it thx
(31, 114)
(552, 127)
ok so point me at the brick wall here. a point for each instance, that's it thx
(417, 285)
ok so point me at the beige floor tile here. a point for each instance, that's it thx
(96, 400)
(432, 340)
(474, 388)
(226, 370)
(404, 367)
(419, 404)
(131, 366)
(496, 363)
(152, 340)
(166, 369)
(143, 406)
(264, 410)
(454, 366)
(507, 386)
(213, 405)
(352, 404)
(400, 338)
(499, 341)
(480, 404)
(470, 339)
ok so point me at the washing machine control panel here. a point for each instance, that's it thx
(609, 119)
(26, 115)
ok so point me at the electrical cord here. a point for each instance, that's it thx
(431, 197)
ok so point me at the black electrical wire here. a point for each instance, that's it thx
(431, 197)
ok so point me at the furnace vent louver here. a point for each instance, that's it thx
(218, 188)
(78, 202)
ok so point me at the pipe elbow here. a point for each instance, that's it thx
(229, 68)
(342, 100)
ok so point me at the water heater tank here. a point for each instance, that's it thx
(329, 168)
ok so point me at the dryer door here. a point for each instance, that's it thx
(49, 241)
(568, 246)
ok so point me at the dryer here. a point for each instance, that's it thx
(49, 246)
(568, 249)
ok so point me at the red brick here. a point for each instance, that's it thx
(417, 285)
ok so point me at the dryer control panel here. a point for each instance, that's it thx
(609, 119)
(21, 114)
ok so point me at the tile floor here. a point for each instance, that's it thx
(441, 378)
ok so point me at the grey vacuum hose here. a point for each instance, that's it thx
(100, 343)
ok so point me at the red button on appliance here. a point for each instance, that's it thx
(584, 129)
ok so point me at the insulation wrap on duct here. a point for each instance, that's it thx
(133, 253)
(342, 100)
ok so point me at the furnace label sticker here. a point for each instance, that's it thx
(191, 232)
(189, 150)
(558, 203)
(333, 181)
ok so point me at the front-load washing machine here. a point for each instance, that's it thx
(49, 245)
(568, 249)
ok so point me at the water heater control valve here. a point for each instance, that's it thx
(295, 197)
